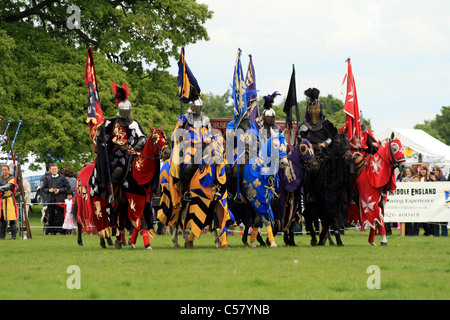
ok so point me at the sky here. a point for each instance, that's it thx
(399, 50)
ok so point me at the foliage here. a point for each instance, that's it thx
(43, 61)
(438, 127)
(129, 32)
(218, 107)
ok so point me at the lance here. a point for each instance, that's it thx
(14, 141)
(2, 138)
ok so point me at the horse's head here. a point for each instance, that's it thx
(306, 152)
(281, 145)
(274, 152)
(397, 152)
(342, 147)
(159, 140)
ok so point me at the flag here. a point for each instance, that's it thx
(238, 92)
(188, 87)
(250, 83)
(291, 101)
(351, 109)
(95, 113)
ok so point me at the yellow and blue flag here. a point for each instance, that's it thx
(188, 87)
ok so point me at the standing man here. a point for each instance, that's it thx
(8, 205)
(56, 187)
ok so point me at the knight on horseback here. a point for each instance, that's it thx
(318, 130)
(124, 135)
(195, 130)
(123, 138)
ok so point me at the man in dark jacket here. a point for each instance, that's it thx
(56, 187)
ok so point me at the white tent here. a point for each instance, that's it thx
(433, 151)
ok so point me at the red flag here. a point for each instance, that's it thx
(351, 109)
(95, 113)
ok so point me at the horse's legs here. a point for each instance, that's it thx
(324, 233)
(309, 226)
(216, 238)
(133, 239)
(253, 236)
(290, 232)
(372, 237)
(245, 235)
(79, 237)
(189, 241)
(146, 239)
(174, 230)
(336, 231)
(381, 231)
(102, 243)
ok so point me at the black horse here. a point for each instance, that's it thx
(327, 191)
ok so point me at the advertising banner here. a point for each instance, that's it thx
(419, 202)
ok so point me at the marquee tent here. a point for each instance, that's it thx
(432, 150)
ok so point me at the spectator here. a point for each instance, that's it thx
(43, 193)
(56, 187)
(424, 176)
(439, 227)
(437, 174)
(70, 223)
(68, 173)
(8, 203)
(424, 173)
(411, 228)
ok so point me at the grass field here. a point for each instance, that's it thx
(410, 268)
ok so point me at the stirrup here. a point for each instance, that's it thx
(187, 196)
(111, 199)
(238, 198)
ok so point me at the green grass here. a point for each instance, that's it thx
(411, 268)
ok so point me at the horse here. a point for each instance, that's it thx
(260, 179)
(375, 177)
(327, 191)
(135, 187)
(208, 200)
(301, 160)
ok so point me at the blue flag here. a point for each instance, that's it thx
(188, 87)
(238, 91)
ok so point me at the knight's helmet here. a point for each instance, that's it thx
(269, 114)
(313, 107)
(195, 107)
(121, 96)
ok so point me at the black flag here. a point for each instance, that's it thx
(291, 101)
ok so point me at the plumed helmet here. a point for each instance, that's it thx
(268, 111)
(121, 97)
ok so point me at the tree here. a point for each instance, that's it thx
(438, 127)
(216, 106)
(42, 68)
(130, 32)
